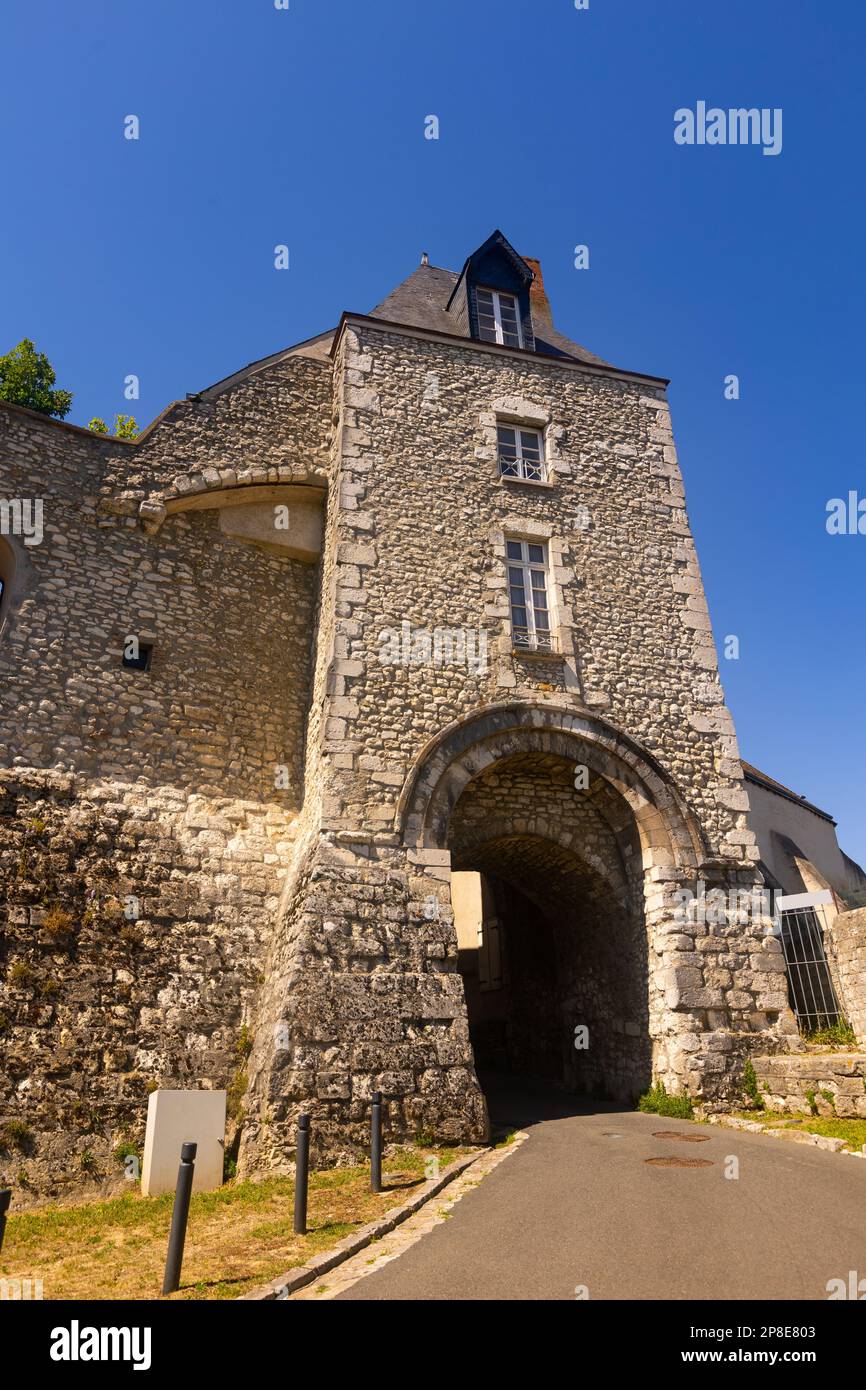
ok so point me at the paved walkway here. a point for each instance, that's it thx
(577, 1205)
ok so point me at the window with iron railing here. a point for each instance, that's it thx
(521, 453)
(528, 596)
(810, 984)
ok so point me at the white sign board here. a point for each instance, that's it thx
(173, 1117)
(798, 900)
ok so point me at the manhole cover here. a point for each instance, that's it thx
(683, 1138)
(670, 1162)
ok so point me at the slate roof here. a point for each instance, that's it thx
(421, 300)
(754, 774)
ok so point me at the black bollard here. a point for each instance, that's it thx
(180, 1212)
(5, 1199)
(302, 1174)
(376, 1143)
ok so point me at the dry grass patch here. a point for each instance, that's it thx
(237, 1238)
(852, 1131)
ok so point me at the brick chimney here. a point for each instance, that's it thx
(538, 301)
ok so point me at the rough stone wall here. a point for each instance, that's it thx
(415, 536)
(212, 609)
(417, 541)
(166, 785)
(846, 942)
(829, 1083)
(274, 422)
(97, 1007)
(215, 610)
(362, 994)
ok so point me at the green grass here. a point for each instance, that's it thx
(238, 1237)
(837, 1034)
(506, 1139)
(750, 1086)
(852, 1131)
(656, 1101)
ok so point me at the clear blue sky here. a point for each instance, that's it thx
(305, 127)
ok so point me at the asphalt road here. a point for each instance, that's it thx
(578, 1205)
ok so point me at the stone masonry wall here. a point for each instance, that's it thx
(162, 785)
(275, 422)
(422, 514)
(213, 608)
(828, 1083)
(299, 910)
(362, 993)
(98, 1007)
(415, 536)
(846, 943)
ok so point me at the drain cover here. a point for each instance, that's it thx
(679, 1162)
(683, 1138)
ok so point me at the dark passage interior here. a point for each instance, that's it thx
(552, 944)
(512, 1026)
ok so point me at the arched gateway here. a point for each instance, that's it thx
(426, 629)
(587, 969)
(574, 838)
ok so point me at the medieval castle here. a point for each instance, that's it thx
(414, 600)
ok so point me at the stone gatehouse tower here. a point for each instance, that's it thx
(414, 598)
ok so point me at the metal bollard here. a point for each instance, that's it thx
(376, 1143)
(302, 1174)
(5, 1199)
(180, 1212)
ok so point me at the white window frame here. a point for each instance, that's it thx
(522, 463)
(534, 639)
(497, 296)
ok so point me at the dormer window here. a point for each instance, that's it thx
(491, 298)
(498, 318)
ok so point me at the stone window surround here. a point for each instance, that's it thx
(527, 567)
(518, 430)
(520, 412)
(516, 527)
(17, 574)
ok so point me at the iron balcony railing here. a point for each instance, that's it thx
(523, 639)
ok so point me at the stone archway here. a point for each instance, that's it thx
(562, 880)
(580, 877)
(366, 989)
(669, 833)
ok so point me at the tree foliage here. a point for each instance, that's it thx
(125, 426)
(27, 378)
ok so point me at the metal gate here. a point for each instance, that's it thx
(810, 987)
